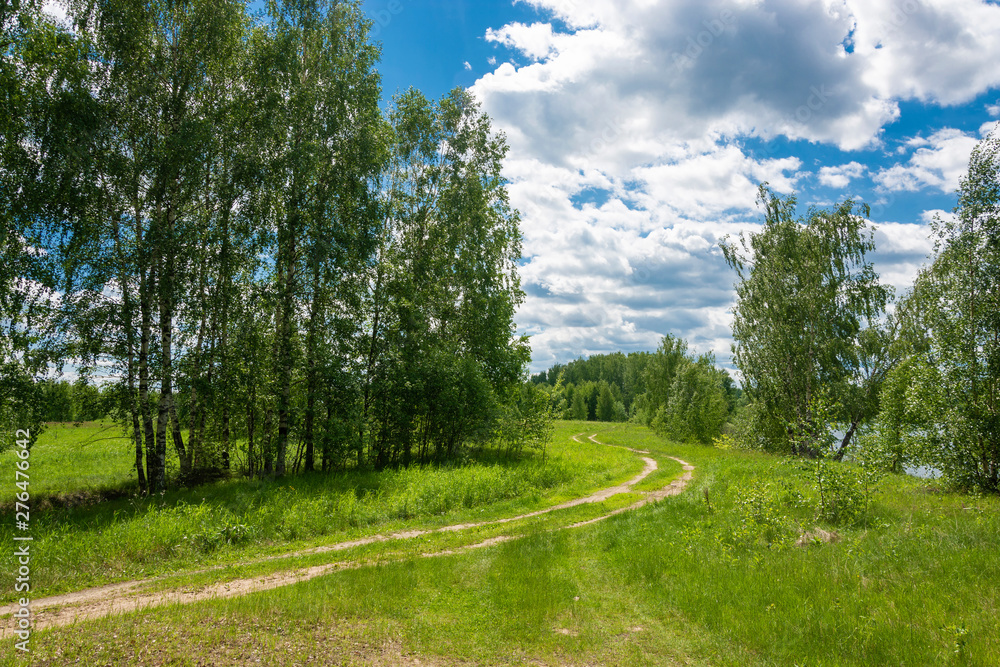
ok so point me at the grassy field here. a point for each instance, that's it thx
(720, 575)
(79, 460)
(239, 519)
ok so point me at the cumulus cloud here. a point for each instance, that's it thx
(901, 249)
(682, 71)
(929, 50)
(628, 124)
(931, 216)
(706, 185)
(536, 41)
(601, 286)
(841, 176)
(939, 163)
(689, 69)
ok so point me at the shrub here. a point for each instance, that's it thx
(761, 519)
(844, 491)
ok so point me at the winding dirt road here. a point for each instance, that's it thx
(128, 596)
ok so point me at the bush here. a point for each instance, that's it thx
(761, 518)
(844, 491)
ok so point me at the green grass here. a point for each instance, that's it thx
(682, 581)
(82, 460)
(239, 519)
(666, 471)
(377, 553)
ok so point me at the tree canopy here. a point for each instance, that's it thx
(685, 397)
(808, 305)
(941, 406)
(214, 211)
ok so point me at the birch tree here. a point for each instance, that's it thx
(942, 404)
(806, 293)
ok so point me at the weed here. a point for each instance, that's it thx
(845, 492)
(760, 517)
(958, 635)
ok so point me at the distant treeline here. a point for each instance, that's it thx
(71, 402)
(683, 396)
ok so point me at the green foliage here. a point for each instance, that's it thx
(942, 405)
(762, 520)
(697, 408)
(40, 91)
(22, 406)
(526, 422)
(724, 442)
(443, 363)
(685, 397)
(624, 375)
(578, 411)
(844, 491)
(807, 299)
(277, 274)
(605, 403)
(78, 401)
(890, 444)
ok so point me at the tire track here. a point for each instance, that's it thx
(125, 597)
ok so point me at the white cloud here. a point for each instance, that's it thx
(929, 216)
(707, 185)
(682, 71)
(689, 69)
(929, 50)
(841, 176)
(536, 41)
(629, 125)
(639, 257)
(939, 163)
(467, 65)
(900, 251)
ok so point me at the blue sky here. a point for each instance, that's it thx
(639, 130)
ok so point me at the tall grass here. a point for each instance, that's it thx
(238, 519)
(917, 582)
